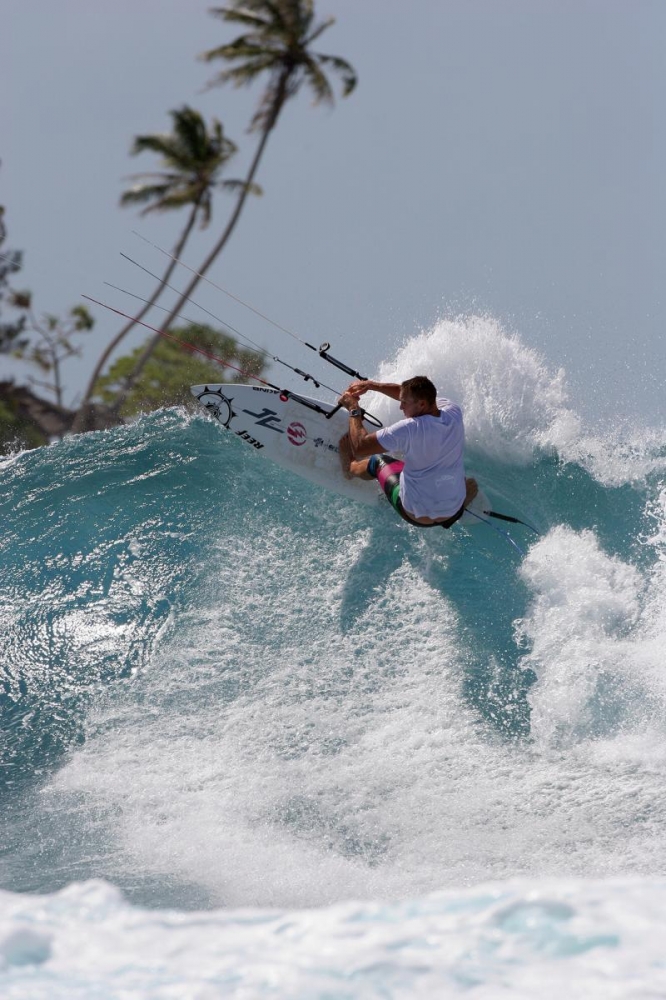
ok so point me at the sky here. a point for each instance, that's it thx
(502, 157)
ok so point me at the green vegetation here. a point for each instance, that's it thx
(17, 432)
(10, 264)
(171, 370)
(28, 420)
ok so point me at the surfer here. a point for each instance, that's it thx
(429, 487)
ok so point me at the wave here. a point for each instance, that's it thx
(223, 687)
(516, 406)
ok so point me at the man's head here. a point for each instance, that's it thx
(417, 396)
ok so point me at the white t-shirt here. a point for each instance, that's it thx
(432, 483)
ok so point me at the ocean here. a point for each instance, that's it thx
(260, 741)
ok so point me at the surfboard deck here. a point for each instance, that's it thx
(295, 437)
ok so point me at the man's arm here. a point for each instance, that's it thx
(363, 444)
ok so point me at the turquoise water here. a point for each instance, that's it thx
(223, 688)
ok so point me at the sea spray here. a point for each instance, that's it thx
(225, 688)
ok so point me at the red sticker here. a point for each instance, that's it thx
(296, 433)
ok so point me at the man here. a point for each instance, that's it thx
(429, 487)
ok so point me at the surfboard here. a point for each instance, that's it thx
(296, 437)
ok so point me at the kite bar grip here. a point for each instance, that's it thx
(322, 351)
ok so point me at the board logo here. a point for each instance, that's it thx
(217, 405)
(296, 433)
(266, 419)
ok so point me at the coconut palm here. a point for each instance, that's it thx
(193, 157)
(277, 44)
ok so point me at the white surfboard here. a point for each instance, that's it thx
(296, 437)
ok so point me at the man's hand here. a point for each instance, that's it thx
(390, 389)
(358, 388)
(348, 399)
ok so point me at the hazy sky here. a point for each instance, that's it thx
(500, 156)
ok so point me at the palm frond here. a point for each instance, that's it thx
(318, 82)
(160, 142)
(251, 188)
(196, 156)
(173, 199)
(319, 30)
(190, 129)
(245, 17)
(284, 14)
(144, 192)
(242, 76)
(341, 66)
(242, 48)
(174, 154)
(272, 12)
(307, 14)
(162, 175)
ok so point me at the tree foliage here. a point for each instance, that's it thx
(17, 433)
(193, 157)
(277, 44)
(11, 262)
(172, 369)
(54, 343)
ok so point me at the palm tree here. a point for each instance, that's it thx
(277, 44)
(193, 157)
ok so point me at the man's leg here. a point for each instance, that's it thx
(352, 467)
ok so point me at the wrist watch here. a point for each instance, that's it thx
(356, 412)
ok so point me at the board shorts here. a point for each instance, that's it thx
(386, 470)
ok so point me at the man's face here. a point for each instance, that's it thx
(410, 406)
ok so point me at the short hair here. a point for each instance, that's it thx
(420, 387)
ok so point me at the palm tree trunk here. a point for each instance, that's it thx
(81, 418)
(131, 380)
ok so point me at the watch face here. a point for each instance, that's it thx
(218, 405)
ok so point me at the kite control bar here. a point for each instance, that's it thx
(322, 351)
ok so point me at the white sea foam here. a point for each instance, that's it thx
(597, 630)
(517, 939)
(348, 762)
(579, 624)
(515, 404)
(512, 402)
